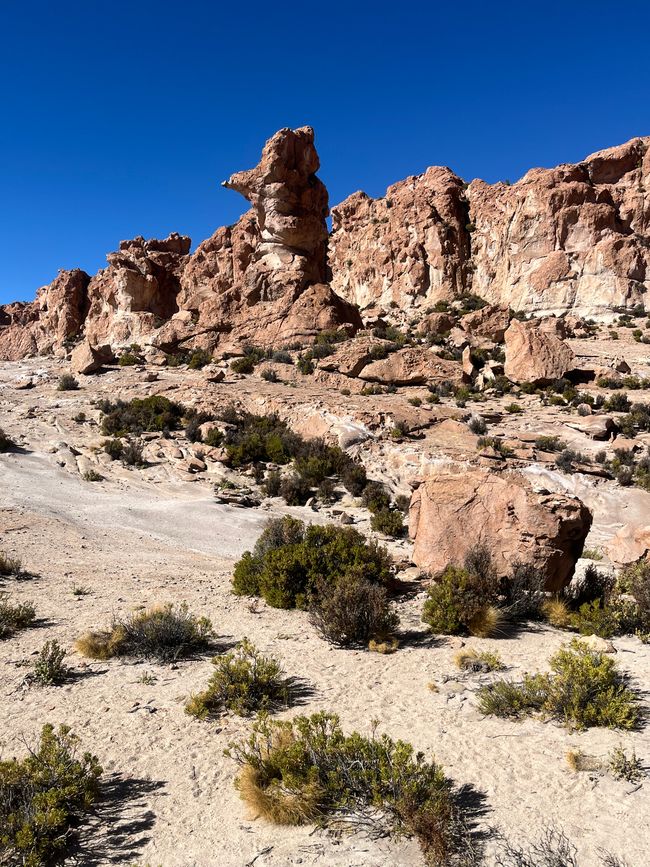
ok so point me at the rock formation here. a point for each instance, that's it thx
(570, 238)
(461, 506)
(534, 354)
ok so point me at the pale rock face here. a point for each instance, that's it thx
(534, 354)
(413, 365)
(409, 248)
(570, 238)
(461, 506)
(137, 292)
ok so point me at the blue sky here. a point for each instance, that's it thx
(121, 118)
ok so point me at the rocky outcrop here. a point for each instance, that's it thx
(489, 323)
(409, 248)
(264, 279)
(462, 506)
(86, 359)
(570, 238)
(137, 292)
(534, 354)
(49, 322)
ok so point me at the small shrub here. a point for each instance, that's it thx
(6, 443)
(44, 797)
(353, 476)
(272, 484)
(245, 365)
(550, 444)
(390, 522)
(213, 438)
(415, 401)
(281, 356)
(290, 557)
(67, 382)
(305, 364)
(92, 476)
(353, 611)
(557, 612)
(164, 633)
(155, 413)
(472, 660)
(129, 359)
(457, 602)
(14, 617)
(513, 408)
(584, 689)
(306, 770)
(553, 849)
(294, 490)
(132, 454)
(243, 682)
(567, 460)
(49, 669)
(477, 425)
(624, 767)
(270, 375)
(9, 565)
(199, 359)
(113, 448)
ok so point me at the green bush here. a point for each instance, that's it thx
(6, 443)
(113, 448)
(457, 600)
(243, 682)
(375, 497)
(44, 797)
(14, 617)
(156, 413)
(305, 364)
(199, 358)
(49, 669)
(294, 490)
(129, 359)
(584, 689)
(352, 611)
(289, 558)
(550, 444)
(306, 770)
(132, 454)
(67, 382)
(390, 522)
(165, 633)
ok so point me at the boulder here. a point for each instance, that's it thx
(461, 506)
(437, 324)
(413, 365)
(490, 322)
(88, 359)
(352, 356)
(630, 544)
(534, 355)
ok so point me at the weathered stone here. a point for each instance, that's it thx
(413, 365)
(88, 359)
(534, 355)
(461, 506)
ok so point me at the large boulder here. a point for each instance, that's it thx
(413, 365)
(490, 322)
(462, 506)
(535, 355)
(86, 359)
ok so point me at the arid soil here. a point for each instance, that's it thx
(152, 535)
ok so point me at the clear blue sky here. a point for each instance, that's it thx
(121, 118)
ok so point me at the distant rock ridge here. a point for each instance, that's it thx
(572, 238)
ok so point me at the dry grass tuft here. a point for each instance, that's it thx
(100, 645)
(276, 804)
(579, 761)
(557, 613)
(486, 623)
(471, 660)
(390, 645)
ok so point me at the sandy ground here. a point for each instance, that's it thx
(133, 541)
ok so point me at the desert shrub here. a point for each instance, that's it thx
(353, 476)
(352, 611)
(164, 632)
(457, 602)
(213, 438)
(6, 443)
(305, 364)
(245, 364)
(294, 490)
(92, 476)
(636, 421)
(9, 565)
(194, 422)
(415, 401)
(113, 448)
(390, 522)
(67, 382)
(523, 592)
(272, 483)
(624, 767)
(375, 497)
(403, 503)
(270, 375)
(553, 849)
(326, 492)
(497, 444)
(473, 660)
(584, 689)
(155, 413)
(44, 797)
(477, 425)
(244, 682)
(14, 617)
(259, 438)
(290, 556)
(199, 358)
(596, 618)
(281, 356)
(400, 429)
(550, 444)
(618, 402)
(129, 359)
(513, 408)
(132, 453)
(49, 668)
(567, 460)
(306, 770)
